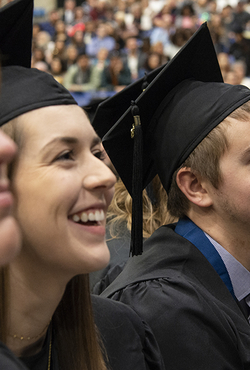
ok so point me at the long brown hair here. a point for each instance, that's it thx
(78, 343)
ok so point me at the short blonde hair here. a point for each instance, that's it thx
(205, 161)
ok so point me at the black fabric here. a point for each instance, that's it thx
(16, 33)
(196, 321)
(40, 360)
(26, 89)
(128, 340)
(8, 361)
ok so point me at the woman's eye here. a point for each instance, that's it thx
(101, 154)
(65, 156)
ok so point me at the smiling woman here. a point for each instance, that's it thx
(57, 175)
(62, 190)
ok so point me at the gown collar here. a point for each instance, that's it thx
(186, 228)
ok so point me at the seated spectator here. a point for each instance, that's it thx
(42, 39)
(59, 51)
(89, 33)
(224, 63)
(38, 55)
(101, 40)
(78, 77)
(49, 26)
(78, 40)
(240, 69)
(177, 40)
(117, 75)
(99, 10)
(154, 60)
(36, 29)
(80, 16)
(123, 29)
(163, 23)
(69, 12)
(57, 69)
(159, 49)
(134, 57)
(240, 16)
(98, 66)
(71, 55)
(60, 31)
(240, 48)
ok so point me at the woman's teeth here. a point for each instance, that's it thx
(92, 216)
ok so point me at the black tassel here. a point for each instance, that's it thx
(136, 246)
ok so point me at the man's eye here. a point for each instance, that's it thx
(65, 156)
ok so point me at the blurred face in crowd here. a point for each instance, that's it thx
(131, 44)
(102, 54)
(101, 31)
(83, 61)
(72, 53)
(154, 61)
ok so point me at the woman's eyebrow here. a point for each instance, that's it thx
(63, 140)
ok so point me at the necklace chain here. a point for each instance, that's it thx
(50, 348)
(21, 337)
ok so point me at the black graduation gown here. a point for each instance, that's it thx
(119, 248)
(195, 319)
(8, 361)
(128, 341)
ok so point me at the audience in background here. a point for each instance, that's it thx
(137, 30)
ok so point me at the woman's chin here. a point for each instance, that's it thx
(10, 240)
(100, 259)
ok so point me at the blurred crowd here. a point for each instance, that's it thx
(104, 45)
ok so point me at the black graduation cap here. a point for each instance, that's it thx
(110, 110)
(16, 33)
(185, 101)
(23, 89)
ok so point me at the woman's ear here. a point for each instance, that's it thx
(193, 187)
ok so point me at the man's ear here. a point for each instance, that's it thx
(193, 187)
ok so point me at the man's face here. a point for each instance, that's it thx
(231, 201)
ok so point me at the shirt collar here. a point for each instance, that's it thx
(239, 275)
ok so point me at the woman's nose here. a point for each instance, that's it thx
(99, 176)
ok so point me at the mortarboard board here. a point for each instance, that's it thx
(16, 33)
(185, 101)
(22, 88)
(109, 111)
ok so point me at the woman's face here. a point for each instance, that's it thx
(59, 180)
(10, 241)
